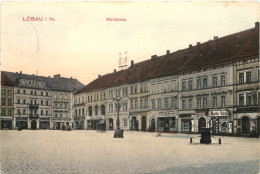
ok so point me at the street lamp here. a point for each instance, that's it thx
(19, 127)
(119, 133)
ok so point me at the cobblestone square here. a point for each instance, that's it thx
(80, 151)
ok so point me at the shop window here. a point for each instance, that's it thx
(172, 123)
(185, 126)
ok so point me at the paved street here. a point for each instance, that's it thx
(80, 151)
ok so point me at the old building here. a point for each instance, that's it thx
(34, 100)
(7, 102)
(191, 88)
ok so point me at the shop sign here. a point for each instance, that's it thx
(171, 113)
(219, 113)
(184, 115)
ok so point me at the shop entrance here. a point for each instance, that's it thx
(144, 123)
(111, 124)
(134, 123)
(202, 123)
(33, 125)
(153, 125)
(245, 125)
(6, 124)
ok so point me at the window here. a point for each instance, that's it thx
(3, 101)
(47, 93)
(141, 102)
(24, 111)
(31, 101)
(166, 105)
(132, 103)
(18, 91)
(3, 112)
(165, 87)
(3, 92)
(205, 103)
(173, 85)
(90, 111)
(18, 101)
(153, 89)
(47, 113)
(47, 103)
(110, 94)
(159, 88)
(61, 96)
(41, 93)
(153, 104)
(103, 110)
(145, 87)
(24, 101)
(42, 102)
(205, 83)
(60, 105)
(135, 89)
(9, 112)
(31, 92)
(190, 103)
(259, 75)
(132, 91)
(241, 78)
(146, 102)
(83, 112)
(24, 91)
(184, 86)
(173, 103)
(241, 99)
(223, 80)
(249, 99)
(96, 110)
(118, 92)
(199, 103)
(41, 112)
(215, 81)
(9, 102)
(215, 102)
(190, 85)
(35, 92)
(136, 103)
(125, 122)
(125, 106)
(248, 77)
(18, 112)
(223, 101)
(183, 104)
(159, 104)
(198, 83)
(141, 88)
(66, 96)
(125, 92)
(9, 92)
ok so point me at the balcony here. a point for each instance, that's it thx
(247, 109)
(34, 116)
(34, 106)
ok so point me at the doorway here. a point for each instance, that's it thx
(245, 125)
(202, 123)
(143, 123)
(153, 125)
(111, 124)
(33, 125)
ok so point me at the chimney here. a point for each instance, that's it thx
(215, 37)
(21, 72)
(99, 75)
(132, 62)
(257, 25)
(190, 46)
(57, 76)
(152, 57)
(168, 52)
(198, 43)
(114, 70)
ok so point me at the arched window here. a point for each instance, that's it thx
(103, 110)
(90, 111)
(96, 110)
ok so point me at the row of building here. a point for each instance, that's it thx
(213, 84)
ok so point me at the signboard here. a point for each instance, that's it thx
(219, 113)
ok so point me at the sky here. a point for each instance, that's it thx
(74, 39)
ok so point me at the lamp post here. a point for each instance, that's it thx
(19, 127)
(119, 133)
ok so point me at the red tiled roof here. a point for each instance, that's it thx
(5, 81)
(229, 48)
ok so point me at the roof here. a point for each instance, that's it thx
(57, 83)
(5, 81)
(229, 48)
